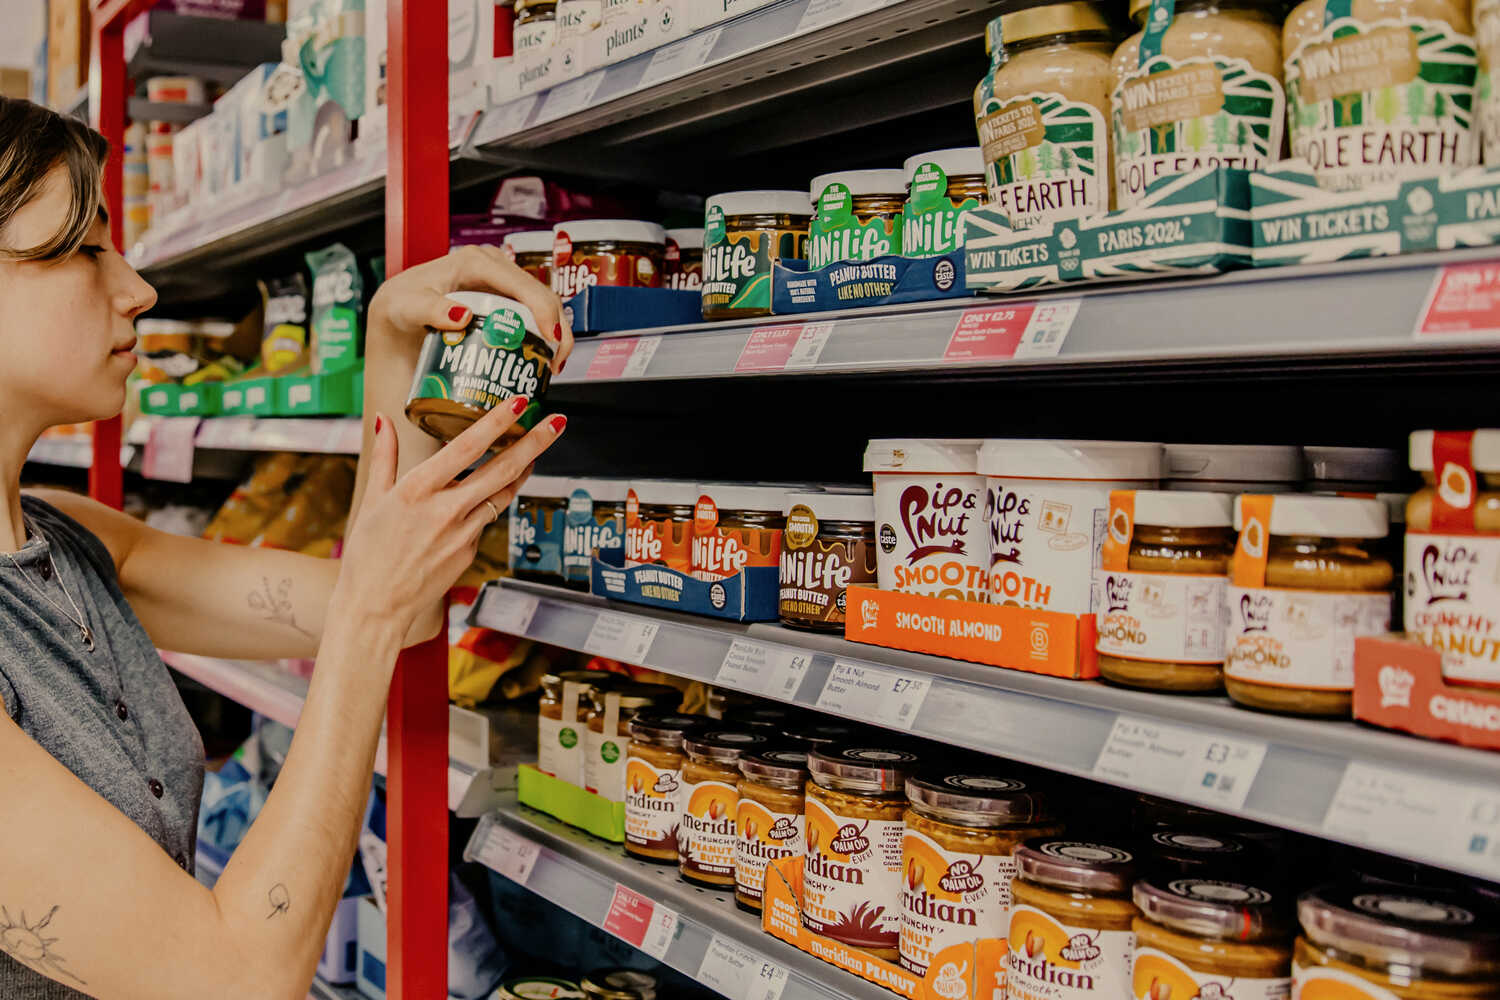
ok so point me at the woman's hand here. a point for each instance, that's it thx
(416, 298)
(415, 535)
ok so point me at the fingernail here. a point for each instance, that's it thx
(558, 423)
(457, 314)
(557, 333)
(519, 404)
(379, 422)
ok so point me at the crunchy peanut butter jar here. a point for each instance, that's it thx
(710, 798)
(770, 819)
(653, 783)
(1208, 937)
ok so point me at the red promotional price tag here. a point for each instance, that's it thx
(1013, 330)
(625, 357)
(1464, 302)
(775, 348)
(169, 449)
(629, 915)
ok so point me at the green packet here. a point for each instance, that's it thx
(338, 309)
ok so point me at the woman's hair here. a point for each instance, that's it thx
(33, 140)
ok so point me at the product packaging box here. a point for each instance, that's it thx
(174, 400)
(573, 805)
(751, 595)
(255, 122)
(1398, 684)
(630, 27)
(703, 13)
(1197, 223)
(883, 281)
(369, 975)
(339, 961)
(604, 308)
(307, 395)
(249, 397)
(1038, 642)
(373, 124)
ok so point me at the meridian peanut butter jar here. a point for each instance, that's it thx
(653, 783)
(770, 820)
(1200, 937)
(607, 732)
(708, 840)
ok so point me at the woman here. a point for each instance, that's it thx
(101, 768)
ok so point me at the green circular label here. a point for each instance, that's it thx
(713, 226)
(835, 206)
(568, 737)
(504, 329)
(610, 751)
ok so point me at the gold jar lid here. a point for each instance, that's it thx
(1050, 19)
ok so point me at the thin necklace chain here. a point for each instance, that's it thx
(85, 633)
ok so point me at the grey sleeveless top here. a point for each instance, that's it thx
(111, 716)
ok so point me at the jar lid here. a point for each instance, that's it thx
(834, 506)
(546, 487)
(922, 455)
(483, 303)
(960, 161)
(759, 716)
(610, 230)
(151, 326)
(873, 770)
(619, 984)
(1022, 458)
(540, 988)
(733, 203)
(1175, 509)
(593, 678)
(213, 329)
(686, 239)
(822, 733)
(638, 695)
(1209, 908)
(775, 765)
(1486, 450)
(1376, 466)
(601, 490)
(744, 496)
(1194, 847)
(1238, 463)
(534, 241)
(1449, 933)
(1049, 19)
(1076, 864)
(665, 727)
(1323, 517)
(977, 799)
(883, 180)
(725, 745)
(669, 492)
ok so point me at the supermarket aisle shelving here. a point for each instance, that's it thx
(325, 435)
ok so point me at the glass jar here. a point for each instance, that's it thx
(538, 988)
(1200, 86)
(745, 233)
(856, 216)
(1071, 910)
(1339, 471)
(594, 525)
(707, 842)
(770, 822)
(532, 253)
(535, 28)
(940, 187)
(760, 716)
(619, 984)
(1231, 468)
(827, 547)
(659, 523)
(1198, 854)
(1368, 941)
(684, 259)
(1200, 937)
(1452, 564)
(851, 882)
(961, 829)
(621, 252)
(608, 728)
(537, 529)
(1049, 64)
(1164, 576)
(1366, 104)
(736, 528)
(723, 702)
(653, 779)
(563, 705)
(821, 734)
(1304, 583)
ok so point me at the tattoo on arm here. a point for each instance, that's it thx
(29, 944)
(280, 900)
(274, 604)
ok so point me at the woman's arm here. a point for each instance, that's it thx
(109, 913)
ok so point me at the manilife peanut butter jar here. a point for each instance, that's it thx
(463, 374)
(622, 252)
(736, 527)
(659, 523)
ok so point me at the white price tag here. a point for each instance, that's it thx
(865, 692)
(729, 968)
(769, 982)
(757, 669)
(617, 637)
(570, 98)
(640, 357)
(821, 13)
(509, 612)
(660, 932)
(809, 345)
(679, 58)
(1417, 813)
(458, 787)
(508, 119)
(1048, 328)
(225, 432)
(1187, 763)
(509, 854)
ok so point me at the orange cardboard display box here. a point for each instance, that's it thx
(971, 971)
(1398, 684)
(1001, 635)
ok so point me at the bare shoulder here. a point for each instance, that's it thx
(117, 530)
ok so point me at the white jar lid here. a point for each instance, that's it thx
(1168, 509)
(1243, 463)
(483, 303)
(920, 455)
(619, 230)
(1486, 451)
(546, 486)
(600, 490)
(961, 161)
(535, 241)
(1356, 465)
(733, 203)
(835, 506)
(1324, 517)
(1022, 458)
(686, 239)
(744, 496)
(861, 182)
(672, 492)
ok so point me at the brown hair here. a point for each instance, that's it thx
(33, 140)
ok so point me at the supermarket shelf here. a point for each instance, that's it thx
(579, 873)
(71, 452)
(161, 43)
(279, 695)
(326, 435)
(141, 110)
(1306, 781)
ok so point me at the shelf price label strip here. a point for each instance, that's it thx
(1014, 330)
(860, 691)
(509, 853)
(636, 920)
(1462, 305)
(1212, 769)
(785, 347)
(1417, 813)
(622, 357)
(739, 973)
(618, 637)
(509, 611)
(757, 669)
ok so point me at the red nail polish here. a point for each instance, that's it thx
(457, 313)
(559, 422)
(557, 333)
(519, 404)
(378, 422)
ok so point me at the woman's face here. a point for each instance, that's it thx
(66, 326)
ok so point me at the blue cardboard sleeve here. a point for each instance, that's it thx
(536, 540)
(883, 281)
(751, 595)
(603, 308)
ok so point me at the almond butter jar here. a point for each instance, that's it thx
(710, 798)
(1162, 585)
(851, 883)
(564, 705)
(770, 820)
(961, 830)
(1204, 937)
(607, 734)
(532, 253)
(659, 523)
(653, 781)
(1375, 941)
(621, 252)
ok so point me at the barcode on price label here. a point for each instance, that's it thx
(1174, 760)
(1418, 814)
(757, 669)
(617, 637)
(860, 691)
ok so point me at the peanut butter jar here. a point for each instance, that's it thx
(684, 260)
(619, 984)
(532, 252)
(770, 820)
(828, 546)
(1201, 854)
(851, 883)
(745, 233)
(940, 187)
(736, 526)
(624, 253)
(710, 797)
(595, 524)
(606, 738)
(653, 783)
(961, 829)
(659, 523)
(1375, 941)
(857, 216)
(1070, 921)
(1200, 937)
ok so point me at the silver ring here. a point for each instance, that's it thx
(494, 511)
